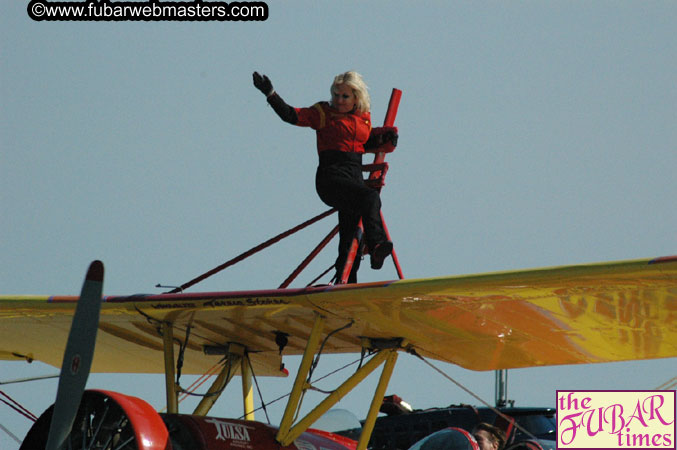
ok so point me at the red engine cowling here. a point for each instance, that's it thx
(106, 420)
(112, 420)
(211, 433)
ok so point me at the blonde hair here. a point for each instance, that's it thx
(356, 83)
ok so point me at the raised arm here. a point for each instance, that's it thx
(286, 112)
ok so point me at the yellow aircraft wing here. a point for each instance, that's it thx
(562, 315)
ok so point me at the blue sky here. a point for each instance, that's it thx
(531, 134)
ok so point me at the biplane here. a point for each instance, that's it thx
(561, 315)
(564, 315)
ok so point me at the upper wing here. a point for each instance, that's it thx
(562, 315)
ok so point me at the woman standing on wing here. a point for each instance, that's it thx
(343, 128)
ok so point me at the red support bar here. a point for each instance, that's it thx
(352, 254)
(389, 121)
(252, 251)
(393, 105)
(309, 258)
(379, 158)
(320, 276)
(375, 167)
(396, 260)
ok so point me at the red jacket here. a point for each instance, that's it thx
(346, 132)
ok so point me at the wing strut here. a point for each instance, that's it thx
(377, 401)
(170, 384)
(247, 388)
(386, 352)
(237, 357)
(299, 382)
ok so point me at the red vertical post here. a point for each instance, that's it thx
(389, 121)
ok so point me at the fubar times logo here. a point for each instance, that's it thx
(616, 420)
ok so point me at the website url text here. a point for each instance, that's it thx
(153, 10)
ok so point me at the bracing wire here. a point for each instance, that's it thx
(263, 404)
(10, 434)
(200, 381)
(320, 276)
(319, 353)
(25, 380)
(212, 394)
(319, 379)
(670, 384)
(475, 396)
(182, 351)
(16, 406)
(317, 360)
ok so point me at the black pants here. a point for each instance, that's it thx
(340, 184)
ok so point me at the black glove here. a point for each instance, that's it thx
(387, 135)
(391, 136)
(263, 84)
